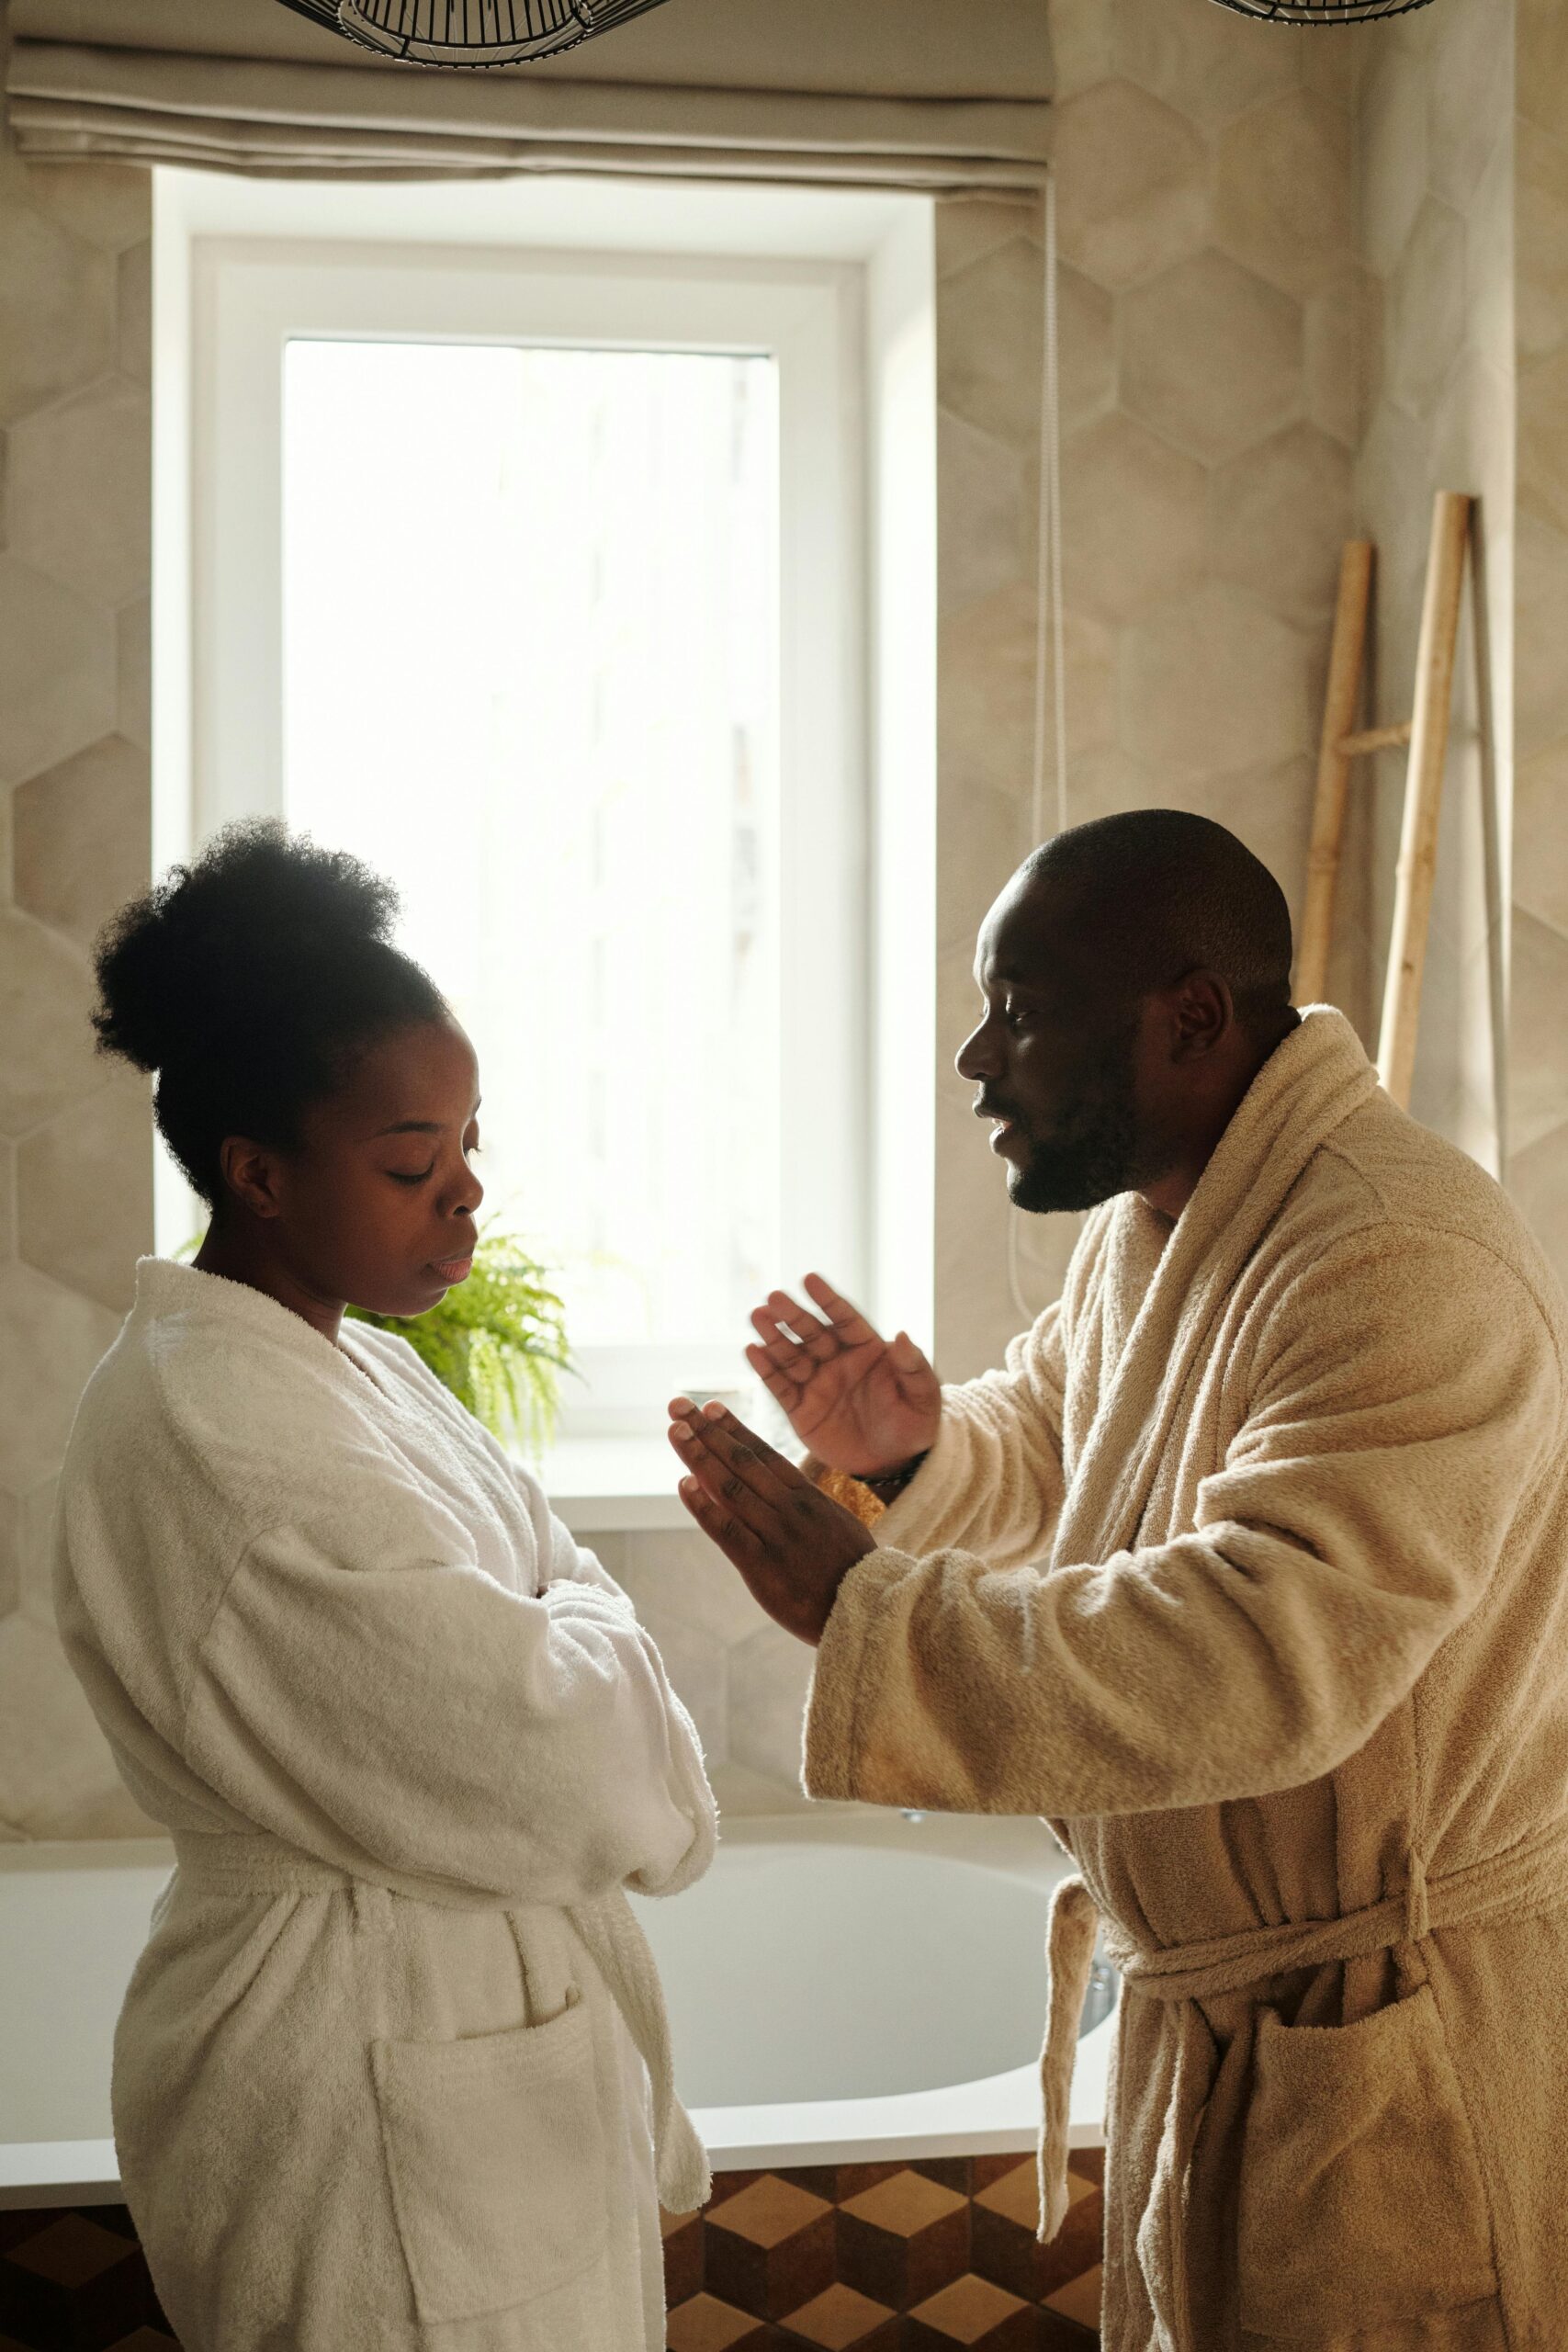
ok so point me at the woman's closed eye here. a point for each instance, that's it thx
(411, 1176)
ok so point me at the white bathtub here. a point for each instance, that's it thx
(842, 1986)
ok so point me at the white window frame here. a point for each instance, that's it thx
(837, 291)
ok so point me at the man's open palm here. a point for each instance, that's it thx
(862, 1403)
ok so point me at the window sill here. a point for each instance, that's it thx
(604, 1486)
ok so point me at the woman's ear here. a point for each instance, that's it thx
(253, 1174)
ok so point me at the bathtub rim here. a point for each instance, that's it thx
(996, 2116)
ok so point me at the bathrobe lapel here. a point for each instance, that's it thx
(1309, 1087)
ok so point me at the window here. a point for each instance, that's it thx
(529, 669)
(546, 580)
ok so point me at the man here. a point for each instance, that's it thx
(1247, 1572)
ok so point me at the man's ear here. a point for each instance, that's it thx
(1204, 1014)
(253, 1173)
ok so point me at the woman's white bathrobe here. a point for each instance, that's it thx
(379, 2079)
(1290, 1681)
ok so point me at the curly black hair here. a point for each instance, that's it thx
(250, 980)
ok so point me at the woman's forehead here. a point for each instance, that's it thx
(424, 1078)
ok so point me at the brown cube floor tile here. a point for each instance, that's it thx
(820, 2180)
(948, 2172)
(975, 2313)
(1059, 2334)
(984, 2170)
(840, 2320)
(75, 2282)
(1015, 2195)
(71, 2251)
(1007, 2248)
(683, 2240)
(903, 2239)
(851, 2180)
(905, 2205)
(769, 2211)
(1078, 2246)
(1080, 2299)
(1089, 2164)
(146, 2339)
(729, 2184)
(708, 2325)
(27, 2224)
(771, 2248)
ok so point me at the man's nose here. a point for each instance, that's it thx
(977, 1056)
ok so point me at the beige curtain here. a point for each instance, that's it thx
(943, 95)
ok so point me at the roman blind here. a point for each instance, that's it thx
(947, 96)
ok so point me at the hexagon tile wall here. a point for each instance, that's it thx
(76, 1165)
(1223, 378)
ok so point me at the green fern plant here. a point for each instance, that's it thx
(497, 1342)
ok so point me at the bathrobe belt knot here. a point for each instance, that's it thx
(253, 1862)
(1528, 1878)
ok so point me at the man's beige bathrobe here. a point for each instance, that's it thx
(379, 2079)
(1290, 1681)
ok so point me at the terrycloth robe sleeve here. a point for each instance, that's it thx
(992, 1483)
(366, 1690)
(1403, 1398)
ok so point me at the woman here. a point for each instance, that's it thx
(393, 2069)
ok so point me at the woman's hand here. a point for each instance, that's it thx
(862, 1403)
(792, 1543)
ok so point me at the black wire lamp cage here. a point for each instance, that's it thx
(470, 32)
(1320, 12)
(512, 32)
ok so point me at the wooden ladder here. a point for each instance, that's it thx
(1426, 732)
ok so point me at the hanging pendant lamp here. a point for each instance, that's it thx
(1320, 12)
(470, 32)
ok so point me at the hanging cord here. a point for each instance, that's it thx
(1050, 746)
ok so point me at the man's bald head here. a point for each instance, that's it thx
(1135, 975)
(1156, 893)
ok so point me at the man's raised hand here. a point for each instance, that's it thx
(792, 1543)
(862, 1403)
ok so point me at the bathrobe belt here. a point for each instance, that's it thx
(1530, 1877)
(253, 1862)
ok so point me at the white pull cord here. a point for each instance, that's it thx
(1050, 647)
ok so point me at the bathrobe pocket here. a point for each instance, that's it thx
(1362, 2201)
(496, 2154)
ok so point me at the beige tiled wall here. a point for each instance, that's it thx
(1212, 333)
(1435, 160)
(1226, 399)
(75, 1164)
(1538, 1046)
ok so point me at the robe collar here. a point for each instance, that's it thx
(166, 1289)
(1309, 1086)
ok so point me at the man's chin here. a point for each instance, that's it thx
(1039, 1188)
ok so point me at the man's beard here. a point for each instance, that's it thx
(1097, 1149)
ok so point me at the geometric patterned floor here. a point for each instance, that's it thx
(926, 2257)
(75, 2281)
(888, 2257)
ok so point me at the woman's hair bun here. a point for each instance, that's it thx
(249, 980)
(175, 968)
